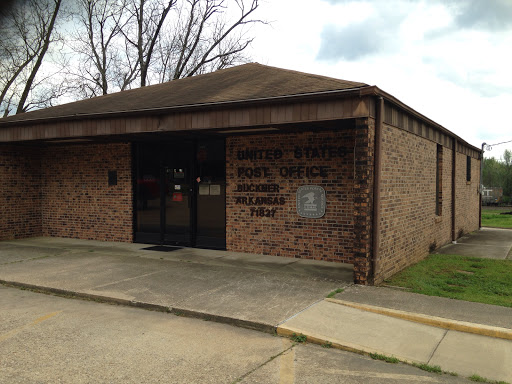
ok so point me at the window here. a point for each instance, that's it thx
(439, 180)
(468, 168)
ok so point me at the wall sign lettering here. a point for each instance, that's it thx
(299, 171)
(319, 152)
(269, 188)
(260, 154)
(322, 152)
(250, 200)
(294, 172)
(250, 172)
(262, 212)
(310, 199)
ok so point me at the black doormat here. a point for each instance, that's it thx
(162, 248)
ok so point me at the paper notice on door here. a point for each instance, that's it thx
(215, 190)
(204, 189)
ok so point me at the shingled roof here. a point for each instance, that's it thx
(246, 82)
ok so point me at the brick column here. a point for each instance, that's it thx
(363, 200)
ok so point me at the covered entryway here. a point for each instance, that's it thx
(180, 193)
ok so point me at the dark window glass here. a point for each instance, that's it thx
(439, 180)
(468, 168)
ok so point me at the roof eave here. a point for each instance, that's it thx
(189, 107)
(376, 91)
(365, 90)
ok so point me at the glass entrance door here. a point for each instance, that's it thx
(211, 196)
(181, 194)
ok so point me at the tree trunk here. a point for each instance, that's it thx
(30, 81)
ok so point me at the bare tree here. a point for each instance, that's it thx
(207, 40)
(18, 47)
(27, 34)
(46, 37)
(120, 42)
(172, 39)
(142, 30)
(95, 40)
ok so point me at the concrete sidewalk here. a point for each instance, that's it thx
(253, 291)
(270, 294)
(365, 332)
(459, 336)
(490, 243)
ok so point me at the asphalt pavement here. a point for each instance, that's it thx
(50, 339)
(275, 294)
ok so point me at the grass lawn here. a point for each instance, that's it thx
(491, 217)
(459, 277)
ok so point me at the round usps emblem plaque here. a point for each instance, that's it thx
(311, 201)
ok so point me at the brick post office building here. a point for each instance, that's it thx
(250, 159)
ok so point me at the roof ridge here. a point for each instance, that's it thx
(249, 81)
(308, 74)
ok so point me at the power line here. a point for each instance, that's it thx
(488, 147)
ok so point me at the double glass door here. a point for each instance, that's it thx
(180, 193)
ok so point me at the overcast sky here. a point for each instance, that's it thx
(450, 60)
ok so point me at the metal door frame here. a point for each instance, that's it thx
(194, 186)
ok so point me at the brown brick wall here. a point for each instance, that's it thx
(77, 200)
(287, 234)
(63, 191)
(20, 192)
(409, 224)
(467, 196)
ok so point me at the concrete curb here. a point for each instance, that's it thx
(455, 325)
(254, 325)
(267, 328)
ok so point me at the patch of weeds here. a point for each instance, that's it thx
(387, 359)
(90, 250)
(299, 338)
(178, 313)
(480, 379)
(327, 344)
(333, 293)
(429, 368)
